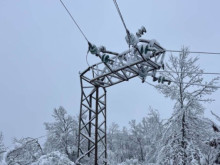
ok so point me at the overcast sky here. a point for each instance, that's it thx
(42, 52)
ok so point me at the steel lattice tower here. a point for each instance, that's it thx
(142, 60)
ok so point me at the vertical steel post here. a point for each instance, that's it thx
(90, 126)
(92, 146)
(105, 129)
(96, 125)
(80, 114)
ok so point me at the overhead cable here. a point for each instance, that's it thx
(194, 84)
(203, 85)
(75, 21)
(189, 72)
(195, 52)
(119, 12)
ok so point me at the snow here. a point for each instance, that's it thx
(132, 39)
(2, 162)
(54, 158)
(130, 162)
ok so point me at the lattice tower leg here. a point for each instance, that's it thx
(92, 145)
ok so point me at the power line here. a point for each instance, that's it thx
(75, 22)
(30, 141)
(150, 84)
(119, 12)
(189, 72)
(204, 85)
(179, 51)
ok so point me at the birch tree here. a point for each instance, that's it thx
(185, 130)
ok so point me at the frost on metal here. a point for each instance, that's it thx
(142, 59)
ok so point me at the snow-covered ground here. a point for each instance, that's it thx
(54, 158)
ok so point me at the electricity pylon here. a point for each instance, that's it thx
(143, 59)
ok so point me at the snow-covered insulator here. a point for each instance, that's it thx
(162, 79)
(102, 49)
(141, 49)
(145, 49)
(141, 31)
(131, 39)
(93, 49)
(142, 74)
(105, 58)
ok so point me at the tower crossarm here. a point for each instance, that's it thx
(142, 60)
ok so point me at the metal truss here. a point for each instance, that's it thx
(92, 147)
(127, 65)
(141, 60)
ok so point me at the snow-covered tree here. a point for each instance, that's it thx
(144, 137)
(112, 141)
(25, 151)
(138, 139)
(62, 134)
(113, 130)
(138, 142)
(152, 126)
(214, 143)
(186, 131)
(118, 144)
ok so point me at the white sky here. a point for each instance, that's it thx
(42, 52)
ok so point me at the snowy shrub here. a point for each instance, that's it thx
(26, 151)
(54, 158)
